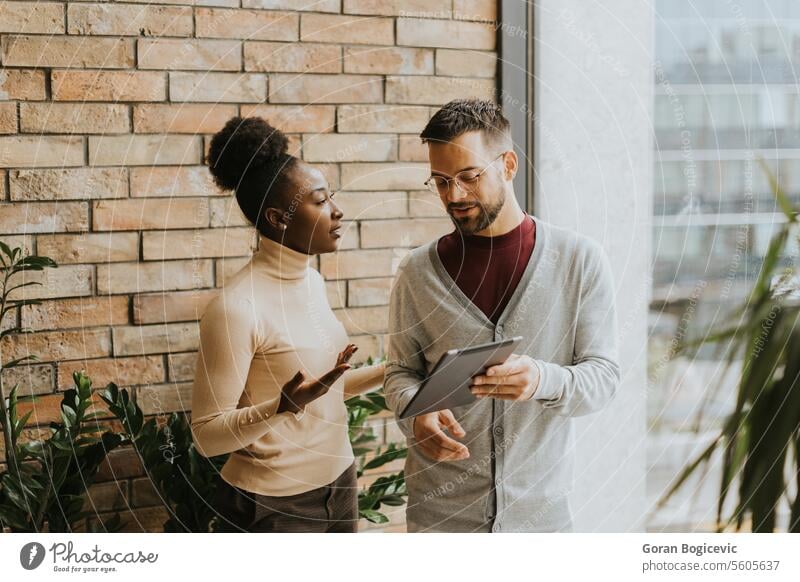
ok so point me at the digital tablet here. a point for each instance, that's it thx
(448, 383)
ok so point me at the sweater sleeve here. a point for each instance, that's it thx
(229, 337)
(405, 366)
(591, 382)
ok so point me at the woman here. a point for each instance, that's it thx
(272, 372)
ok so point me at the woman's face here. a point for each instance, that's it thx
(312, 218)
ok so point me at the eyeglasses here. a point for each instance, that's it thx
(466, 181)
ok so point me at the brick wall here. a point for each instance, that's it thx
(105, 112)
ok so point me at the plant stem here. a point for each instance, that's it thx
(11, 456)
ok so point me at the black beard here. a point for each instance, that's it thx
(486, 216)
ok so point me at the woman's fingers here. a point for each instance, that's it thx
(346, 354)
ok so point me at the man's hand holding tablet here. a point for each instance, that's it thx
(515, 379)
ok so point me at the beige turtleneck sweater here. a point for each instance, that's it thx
(270, 320)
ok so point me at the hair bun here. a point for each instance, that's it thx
(240, 146)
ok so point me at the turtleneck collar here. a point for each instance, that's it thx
(280, 261)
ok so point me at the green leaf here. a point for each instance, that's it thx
(374, 516)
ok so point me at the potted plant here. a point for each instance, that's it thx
(45, 480)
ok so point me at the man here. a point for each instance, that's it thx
(504, 462)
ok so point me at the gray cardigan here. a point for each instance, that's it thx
(520, 469)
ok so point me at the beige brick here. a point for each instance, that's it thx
(219, 3)
(190, 54)
(337, 293)
(389, 60)
(225, 212)
(466, 63)
(22, 84)
(121, 371)
(300, 5)
(356, 29)
(419, 8)
(80, 312)
(144, 493)
(436, 90)
(128, 20)
(402, 233)
(35, 217)
(363, 320)
(150, 213)
(357, 263)
(226, 268)
(32, 17)
(181, 366)
(368, 292)
(331, 173)
(202, 243)
(411, 149)
(47, 408)
(165, 398)
(64, 281)
(3, 189)
(294, 118)
(404, 176)
(106, 497)
(39, 379)
(121, 463)
(364, 205)
(70, 184)
(8, 118)
(51, 346)
(286, 88)
(155, 339)
(184, 118)
(62, 51)
(337, 147)
(368, 345)
(282, 57)
(475, 10)
(74, 118)
(218, 87)
(424, 203)
(171, 307)
(247, 24)
(119, 278)
(144, 150)
(30, 151)
(350, 236)
(381, 118)
(169, 181)
(90, 247)
(445, 33)
(109, 86)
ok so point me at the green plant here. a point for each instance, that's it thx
(760, 440)
(386, 490)
(45, 479)
(183, 478)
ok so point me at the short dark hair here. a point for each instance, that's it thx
(250, 157)
(463, 115)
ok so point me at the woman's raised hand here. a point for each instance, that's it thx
(298, 391)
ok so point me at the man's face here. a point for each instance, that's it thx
(476, 209)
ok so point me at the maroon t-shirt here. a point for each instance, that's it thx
(488, 268)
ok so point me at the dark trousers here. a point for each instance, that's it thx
(330, 508)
